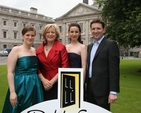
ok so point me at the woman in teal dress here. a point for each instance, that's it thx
(25, 88)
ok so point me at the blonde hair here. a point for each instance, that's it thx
(45, 29)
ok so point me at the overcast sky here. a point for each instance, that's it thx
(51, 8)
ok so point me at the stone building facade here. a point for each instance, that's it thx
(83, 14)
(12, 22)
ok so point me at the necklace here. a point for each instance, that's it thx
(47, 48)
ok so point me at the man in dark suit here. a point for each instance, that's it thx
(103, 67)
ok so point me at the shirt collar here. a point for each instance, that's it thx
(99, 41)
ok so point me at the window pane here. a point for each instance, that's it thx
(4, 34)
(60, 27)
(4, 22)
(15, 24)
(15, 35)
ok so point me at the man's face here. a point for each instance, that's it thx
(97, 31)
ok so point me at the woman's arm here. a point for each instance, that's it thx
(54, 79)
(84, 60)
(11, 63)
(64, 58)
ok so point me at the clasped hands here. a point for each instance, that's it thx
(47, 84)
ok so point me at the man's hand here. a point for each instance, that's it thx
(112, 98)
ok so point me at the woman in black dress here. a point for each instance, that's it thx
(77, 52)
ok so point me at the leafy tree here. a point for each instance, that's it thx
(123, 19)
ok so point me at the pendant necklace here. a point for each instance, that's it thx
(47, 48)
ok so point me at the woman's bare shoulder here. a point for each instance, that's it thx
(82, 46)
(67, 45)
(33, 48)
(16, 48)
(14, 52)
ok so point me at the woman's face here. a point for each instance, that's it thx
(28, 37)
(74, 33)
(51, 34)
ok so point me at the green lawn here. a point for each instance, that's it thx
(129, 98)
(3, 86)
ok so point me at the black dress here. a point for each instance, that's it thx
(74, 60)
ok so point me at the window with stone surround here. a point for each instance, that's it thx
(15, 23)
(15, 34)
(4, 46)
(4, 34)
(60, 28)
(4, 22)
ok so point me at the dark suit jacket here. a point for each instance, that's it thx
(105, 68)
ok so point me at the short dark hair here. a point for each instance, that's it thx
(28, 28)
(97, 21)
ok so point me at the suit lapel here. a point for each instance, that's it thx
(102, 44)
(89, 52)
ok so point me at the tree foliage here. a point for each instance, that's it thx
(123, 19)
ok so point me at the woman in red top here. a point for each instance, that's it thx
(51, 54)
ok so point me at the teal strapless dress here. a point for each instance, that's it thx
(27, 85)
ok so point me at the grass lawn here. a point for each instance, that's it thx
(129, 98)
(3, 86)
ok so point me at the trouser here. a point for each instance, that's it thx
(101, 101)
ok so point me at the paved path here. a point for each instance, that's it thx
(130, 58)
